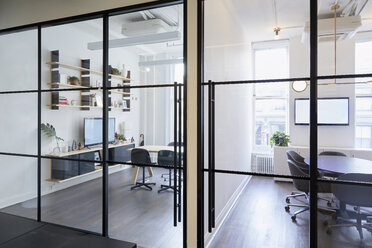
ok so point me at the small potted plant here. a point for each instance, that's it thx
(73, 80)
(279, 139)
(50, 131)
(115, 71)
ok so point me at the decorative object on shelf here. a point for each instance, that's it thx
(125, 104)
(99, 101)
(132, 140)
(123, 71)
(62, 100)
(120, 137)
(50, 131)
(93, 100)
(142, 140)
(279, 139)
(74, 145)
(73, 80)
(79, 146)
(115, 71)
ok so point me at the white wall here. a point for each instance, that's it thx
(233, 119)
(331, 136)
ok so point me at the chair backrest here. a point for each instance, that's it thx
(172, 143)
(332, 153)
(294, 156)
(140, 156)
(166, 157)
(298, 160)
(301, 185)
(357, 195)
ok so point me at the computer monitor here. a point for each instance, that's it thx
(93, 131)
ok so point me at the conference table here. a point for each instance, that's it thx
(150, 149)
(343, 165)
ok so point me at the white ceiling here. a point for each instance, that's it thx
(240, 21)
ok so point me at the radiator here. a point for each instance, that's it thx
(262, 163)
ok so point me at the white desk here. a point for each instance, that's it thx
(151, 149)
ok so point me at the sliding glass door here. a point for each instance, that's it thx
(93, 126)
(284, 145)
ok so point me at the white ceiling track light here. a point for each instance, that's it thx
(138, 40)
(301, 86)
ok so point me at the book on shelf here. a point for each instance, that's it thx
(62, 100)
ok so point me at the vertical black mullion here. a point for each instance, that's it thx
(210, 159)
(313, 121)
(213, 183)
(185, 125)
(200, 124)
(175, 157)
(179, 150)
(39, 123)
(105, 127)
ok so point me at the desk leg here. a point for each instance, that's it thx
(135, 174)
(150, 171)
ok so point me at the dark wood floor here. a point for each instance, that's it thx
(140, 216)
(259, 220)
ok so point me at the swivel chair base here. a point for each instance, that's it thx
(143, 183)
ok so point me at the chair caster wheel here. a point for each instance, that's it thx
(286, 208)
(287, 200)
(328, 231)
(329, 204)
(293, 218)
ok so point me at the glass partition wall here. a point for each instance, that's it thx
(83, 98)
(286, 124)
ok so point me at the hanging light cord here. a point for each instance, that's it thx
(334, 8)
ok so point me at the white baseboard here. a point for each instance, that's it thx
(208, 237)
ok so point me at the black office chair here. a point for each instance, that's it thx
(298, 159)
(166, 158)
(302, 185)
(357, 196)
(141, 158)
(166, 174)
(332, 153)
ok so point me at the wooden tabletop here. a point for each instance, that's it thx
(343, 165)
(152, 148)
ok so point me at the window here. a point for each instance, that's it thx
(363, 96)
(270, 99)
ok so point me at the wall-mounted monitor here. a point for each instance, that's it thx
(93, 131)
(331, 111)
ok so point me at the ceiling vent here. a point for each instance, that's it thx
(151, 26)
(346, 28)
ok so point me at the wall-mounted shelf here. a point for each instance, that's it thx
(84, 87)
(78, 68)
(80, 106)
(68, 85)
(86, 96)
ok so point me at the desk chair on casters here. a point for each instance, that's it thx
(166, 158)
(166, 174)
(141, 156)
(301, 185)
(299, 161)
(357, 196)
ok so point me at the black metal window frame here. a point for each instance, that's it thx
(180, 199)
(210, 169)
